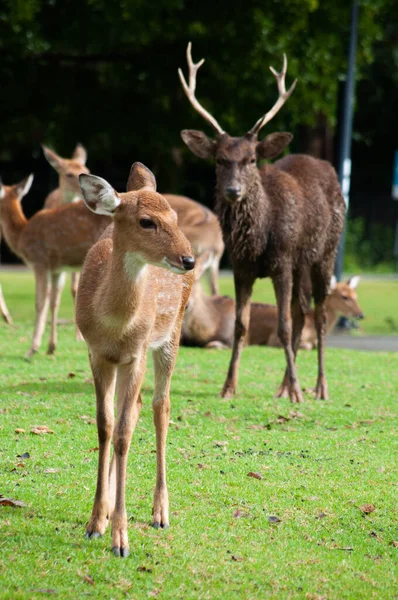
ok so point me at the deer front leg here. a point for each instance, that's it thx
(243, 291)
(104, 379)
(283, 291)
(42, 302)
(4, 310)
(129, 380)
(57, 285)
(73, 287)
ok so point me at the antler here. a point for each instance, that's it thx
(190, 89)
(283, 96)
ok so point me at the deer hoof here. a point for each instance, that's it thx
(283, 392)
(157, 525)
(51, 349)
(30, 353)
(120, 552)
(296, 395)
(227, 392)
(321, 392)
(93, 535)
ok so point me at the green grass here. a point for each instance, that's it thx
(319, 466)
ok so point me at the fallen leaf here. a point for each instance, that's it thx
(10, 502)
(220, 444)
(21, 465)
(51, 470)
(40, 429)
(20, 430)
(24, 455)
(394, 543)
(346, 549)
(321, 515)
(295, 414)
(88, 419)
(281, 419)
(154, 592)
(273, 519)
(207, 414)
(237, 558)
(237, 514)
(373, 534)
(367, 508)
(255, 475)
(71, 375)
(93, 449)
(312, 498)
(144, 569)
(88, 579)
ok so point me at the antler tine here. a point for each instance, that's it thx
(190, 89)
(282, 98)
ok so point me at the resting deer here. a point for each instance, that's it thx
(68, 190)
(209, 320)
(132, 294)
(52, 241)
(283, 221)
(199, 224)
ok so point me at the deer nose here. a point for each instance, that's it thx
(188, 262)
(361, 316)
(233, 191)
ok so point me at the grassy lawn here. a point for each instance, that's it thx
(300, 531)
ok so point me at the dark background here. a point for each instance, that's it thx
(104, 73)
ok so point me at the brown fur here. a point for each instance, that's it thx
(127, 305)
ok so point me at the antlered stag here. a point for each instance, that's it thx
(281, 221)
(132, 294)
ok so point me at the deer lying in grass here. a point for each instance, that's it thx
(132, 294)
(199, 224)
(283, 221)
(52, 241)
(68, 190)
(209, 320)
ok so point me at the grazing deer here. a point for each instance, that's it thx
(52, 241)
(283, 221)
(68, 190)
(132, 294)
(209, 320)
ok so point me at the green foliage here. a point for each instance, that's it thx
(368, 248)
(319, 465)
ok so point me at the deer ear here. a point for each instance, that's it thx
(2, 190)
(353, 281)
(80, 154)
(99, 195)
(55, 161)
(140, 178)
(333, 282)
(273, 145)
(199, 143)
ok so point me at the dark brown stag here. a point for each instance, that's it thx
(281, 221)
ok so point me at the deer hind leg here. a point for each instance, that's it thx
(4, 310)
(321, 275)
(129, 380)
(243, 290)
(283, 291)
(104, 379)
(73, 288)
(42, 302)
(57, 285)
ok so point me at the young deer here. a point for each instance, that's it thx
(52, 241)
(132, 294)
(283, 221)
(68, 190)
(209, 320)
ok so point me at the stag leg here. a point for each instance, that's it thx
(104, 379)
(283, 291)
(320, 282)
(243, 291)
(42, 302)
(129, 380)
(57, 285)
(4, 310)
(73, 288)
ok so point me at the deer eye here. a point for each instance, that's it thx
(70, 175)
(252, 161)
(147, 224)
(345, 297)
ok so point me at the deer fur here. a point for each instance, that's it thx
(209, 320)
(282, 221)
(132, 294)
(50, 242)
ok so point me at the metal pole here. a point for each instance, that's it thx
(344, 165)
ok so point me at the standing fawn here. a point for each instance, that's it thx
(68, 189)
(283, 221)
(132, 294)
(52, 241)
(209, 320)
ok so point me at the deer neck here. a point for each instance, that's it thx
(13, 222)
(245, 223)
(332, 314)
(66, 195)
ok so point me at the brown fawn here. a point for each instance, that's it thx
(132, 294)
(50, 242)
(282, 221)
(209, 320)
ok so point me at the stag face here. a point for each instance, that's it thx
(236, 158)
